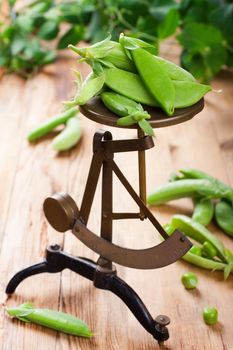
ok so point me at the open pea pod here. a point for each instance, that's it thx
(193, 256)
(199, 233)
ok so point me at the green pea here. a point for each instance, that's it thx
(156, 79)
(189, 280)
(208, 250)
(224, 216)
(195, 250)
(187, 93)
(210, 315)
(203, 211)
(69, 136)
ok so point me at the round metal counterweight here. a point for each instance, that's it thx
(61, 211)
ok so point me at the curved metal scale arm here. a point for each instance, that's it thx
(158, 256)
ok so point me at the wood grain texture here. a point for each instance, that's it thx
(29, 173)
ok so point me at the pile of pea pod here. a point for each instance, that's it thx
(212, 199)
(125, 74)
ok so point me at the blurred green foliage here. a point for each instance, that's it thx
(205, 30)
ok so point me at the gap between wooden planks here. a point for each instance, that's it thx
(30, 173)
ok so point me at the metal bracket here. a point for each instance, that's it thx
(56, 261)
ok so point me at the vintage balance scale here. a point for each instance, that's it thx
(63, 214)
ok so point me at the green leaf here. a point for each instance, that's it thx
(204, 50)
(198, 37)
(18, 44)
(215, 58)
(49, 30)
(32, 50)
(222, 18)
(160, 8)
(72, 36)
(169, 24)
(196, 65)
(49, 57)
(25, 23)
(229, 59)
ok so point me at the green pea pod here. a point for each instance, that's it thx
(130, 43)
(51, 124)
(91, 86)
(119, 104)
(198, 174)
(130, 111)
(184, 188)
(129, 85)
(95, 51)
(126, 121)
(59, 321)
(69, 136)
(224, 216)
(175, 72)
(107, 52)
(156, 79)
(198, 232)
(146, 127)
(203, 211)
(187, 93)
(205, 263)
(197, 260)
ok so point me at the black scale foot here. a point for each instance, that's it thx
(56, 260)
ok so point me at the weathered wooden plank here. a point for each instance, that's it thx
(38, 174)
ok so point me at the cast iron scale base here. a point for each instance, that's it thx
(63, 214)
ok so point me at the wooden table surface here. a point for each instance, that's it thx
(29, 173)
